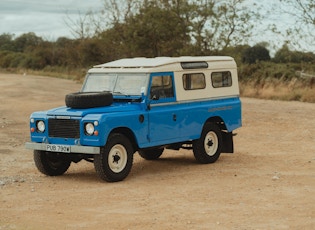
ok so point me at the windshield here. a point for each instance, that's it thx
(117, 83)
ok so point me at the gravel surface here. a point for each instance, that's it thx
(268, 183)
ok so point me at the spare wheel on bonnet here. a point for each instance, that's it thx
(82, 100)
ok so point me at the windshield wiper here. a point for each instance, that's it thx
(117, 92)
(120, 93)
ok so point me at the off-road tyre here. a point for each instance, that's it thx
(115, 160)
(151, 154)
(207, 148)
(83, 100)
(51, 164)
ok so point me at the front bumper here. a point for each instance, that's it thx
(73, 148)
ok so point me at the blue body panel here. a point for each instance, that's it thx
(180, 122)
(161, 124)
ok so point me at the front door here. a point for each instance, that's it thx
(163, 124)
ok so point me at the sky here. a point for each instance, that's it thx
(47, 18)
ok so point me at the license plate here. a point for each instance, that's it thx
(58, 148)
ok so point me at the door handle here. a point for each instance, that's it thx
(174, 117)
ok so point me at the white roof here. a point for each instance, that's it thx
(141, 62)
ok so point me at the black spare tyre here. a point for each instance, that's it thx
(83, 100)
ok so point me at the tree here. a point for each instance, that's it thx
(156, 31)
(80, 27)
(303, 12)
(6, 42)
(116, 11)
(235, 51)
(180, 27)
(220, 24)
(27, 41)
(156, 28)
(91, 52)
(254, 54)
(285, 55)
(90, 24)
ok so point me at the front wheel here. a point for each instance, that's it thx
(115, 160)
(207, 148)
(51, 164)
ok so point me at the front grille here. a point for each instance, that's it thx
(65, 128)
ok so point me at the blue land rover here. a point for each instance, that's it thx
(142, 105)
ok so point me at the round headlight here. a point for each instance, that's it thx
(89, 128)
(40, 126)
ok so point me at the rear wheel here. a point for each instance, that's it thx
(151, 154)
(51, 164)
(115, 160)
(207, 148)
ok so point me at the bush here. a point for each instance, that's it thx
(276, 82)
(10, 59)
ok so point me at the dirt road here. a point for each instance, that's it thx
(268, 183)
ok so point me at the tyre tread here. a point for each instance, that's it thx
(82, 100)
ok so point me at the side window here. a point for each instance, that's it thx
(161, 87)
(194, 81)
(221, 79)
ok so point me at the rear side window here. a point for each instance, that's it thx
(221, 79)
(194, 81)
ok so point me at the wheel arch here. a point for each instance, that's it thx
(218, 121)
(227, 137)
(129, 134)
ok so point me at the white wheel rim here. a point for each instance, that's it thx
(211, 143)
(117, 158)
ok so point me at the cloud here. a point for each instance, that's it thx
(45, 18)
(39, 6)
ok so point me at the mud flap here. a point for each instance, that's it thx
(228, 146)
